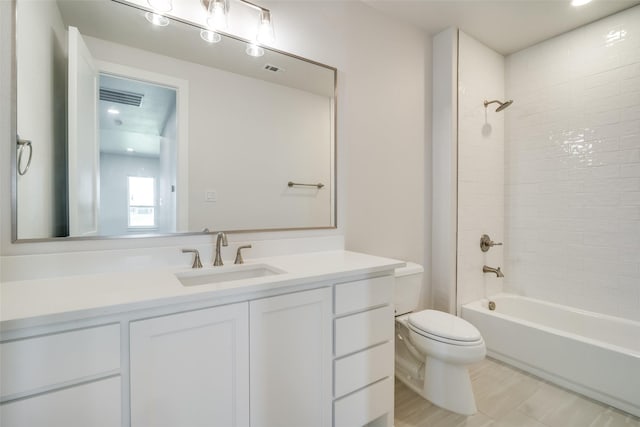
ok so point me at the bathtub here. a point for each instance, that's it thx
(593, 354)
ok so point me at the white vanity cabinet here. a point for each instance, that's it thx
(310, 348)
(364, 353)
(60, 379)
(191, 369)
(291, 360)
(264, 363)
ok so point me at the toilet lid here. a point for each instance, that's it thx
(444, 325)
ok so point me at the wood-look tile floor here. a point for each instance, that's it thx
(508, 397)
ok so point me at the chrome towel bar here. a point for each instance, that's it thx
(297, 184)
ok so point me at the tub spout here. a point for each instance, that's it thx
(487, 269)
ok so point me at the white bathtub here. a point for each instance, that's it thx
(592, 354)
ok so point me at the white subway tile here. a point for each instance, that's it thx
(572, 168)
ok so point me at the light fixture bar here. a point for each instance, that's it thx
(205, 4)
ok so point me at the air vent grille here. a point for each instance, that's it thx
(272, 68)
(121, 97)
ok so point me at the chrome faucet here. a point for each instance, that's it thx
(222, 238)
(239, 259)
(196, 259)
(487, 269)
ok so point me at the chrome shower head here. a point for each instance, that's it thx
(502, 105)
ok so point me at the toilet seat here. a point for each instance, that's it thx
(444, 327)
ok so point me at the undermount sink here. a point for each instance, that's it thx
(226, 274)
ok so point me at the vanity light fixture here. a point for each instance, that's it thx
(577, 3)
(160, 6)
(217, 14)
(217, 20)
(266, 34)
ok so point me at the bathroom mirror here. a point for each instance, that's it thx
(139, 130)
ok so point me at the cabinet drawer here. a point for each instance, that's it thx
(35, 364)
(358, 370)
(96, 404)
(363, 294)
(364, 406)
(362, 330)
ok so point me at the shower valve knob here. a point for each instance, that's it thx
(486, 243)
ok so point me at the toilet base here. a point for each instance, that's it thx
(449, 387)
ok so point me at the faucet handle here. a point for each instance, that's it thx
(239, 259)
(486, 243)
(196, 259)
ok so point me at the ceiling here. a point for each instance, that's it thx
(506, 26)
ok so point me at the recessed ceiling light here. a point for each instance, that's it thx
(210, 36)
(156, 19)
(254, 50)
(579, 2)
(130, 150)
(113, 111)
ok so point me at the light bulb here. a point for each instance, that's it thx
(266, 34)
(217, 19)
(155, 19)
(210, 36)
(254, 50)
(160, 5)
(579, 2)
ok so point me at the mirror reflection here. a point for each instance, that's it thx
(138, 129)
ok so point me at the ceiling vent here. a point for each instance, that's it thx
(273, 68)
(121, 97)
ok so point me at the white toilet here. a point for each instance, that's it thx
(434, 348)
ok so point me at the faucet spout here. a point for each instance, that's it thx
(487, 269)
(220, 239)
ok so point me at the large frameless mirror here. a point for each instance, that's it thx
(135, 129)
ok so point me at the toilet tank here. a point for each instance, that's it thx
(406, 293)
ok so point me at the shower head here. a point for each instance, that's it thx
(502, 105)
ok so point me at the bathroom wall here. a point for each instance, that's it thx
(43, 119)
(480, 168)
(573, 168)
(383, 186)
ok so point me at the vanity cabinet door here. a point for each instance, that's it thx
(191, 369)
(95, 404)
(291, 353)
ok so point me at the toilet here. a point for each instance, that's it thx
(433, 348)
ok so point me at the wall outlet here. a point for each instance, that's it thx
(210, 196)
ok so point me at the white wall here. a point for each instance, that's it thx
(386, 117)
(573, 168)
(444, 219)
(480, 168)
(42, 119)
(383, 186)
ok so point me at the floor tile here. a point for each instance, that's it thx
(508, 397)
(517, 419)
(614, 418)
(544, 401)
(576, 412)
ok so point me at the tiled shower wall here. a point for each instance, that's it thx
(480, 168)
(572, 168)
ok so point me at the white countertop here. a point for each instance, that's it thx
(66, 298)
